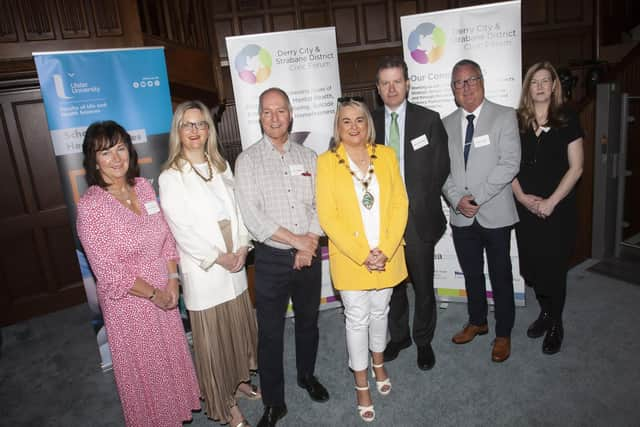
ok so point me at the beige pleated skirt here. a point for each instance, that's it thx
(225, 351)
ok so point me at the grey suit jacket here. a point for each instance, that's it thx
(491, 166)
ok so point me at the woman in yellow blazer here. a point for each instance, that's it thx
(362, 206)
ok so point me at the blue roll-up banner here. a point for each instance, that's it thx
(78, 88)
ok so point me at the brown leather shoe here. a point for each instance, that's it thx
(469, 332)
(501, 349)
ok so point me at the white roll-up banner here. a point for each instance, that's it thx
(304, 64)
(432, 43)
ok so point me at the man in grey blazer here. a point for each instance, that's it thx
(484, 148)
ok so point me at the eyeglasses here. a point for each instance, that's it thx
(543, 82)
(201, 125)
(471, 82)
(344, 99)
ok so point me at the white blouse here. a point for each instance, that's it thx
(370, 217)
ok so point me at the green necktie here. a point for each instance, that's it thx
(394, 134)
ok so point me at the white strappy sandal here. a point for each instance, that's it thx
(384, 386)
(363, 410)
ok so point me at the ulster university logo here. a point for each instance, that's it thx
(59, 86)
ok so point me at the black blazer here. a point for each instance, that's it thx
(425, 169)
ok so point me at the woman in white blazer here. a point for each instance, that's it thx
(196, 194)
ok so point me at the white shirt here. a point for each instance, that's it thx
(370, 217)
(402, 114)
(464, 121)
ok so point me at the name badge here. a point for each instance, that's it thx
(296, 170)
(419, 142)
(152, 207)
(481, 141)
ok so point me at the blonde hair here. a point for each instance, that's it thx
(361, 106)
(526, 109)
(176, 159)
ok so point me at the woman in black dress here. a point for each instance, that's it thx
(551, 165)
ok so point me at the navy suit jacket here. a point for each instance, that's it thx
(425, 169)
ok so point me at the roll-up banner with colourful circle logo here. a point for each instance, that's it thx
(432, 43)
(304, 63)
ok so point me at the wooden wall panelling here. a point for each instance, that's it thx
(73, 19)
(222, 6)
(283, 21)
(106, 16)
(39, 157)
(347, 22)
(466, 3)
(616, 19)
(252, 24)
(315, 18)
(227, 87)
(8, 29)
(376, 23)
(224, 28)
(432, 5)
(152, 19)
(174, 20)
(187, 23)
(39, 271)
(569, 12)
(358, 68)
(196, 26)
(36, 20)
(402, 8)
(281, 3)
(213, 50)
(41, 27)
(535, 12)
(561, 47)
(249, 5)
(229, 134)
(198, 73)
(9, 173)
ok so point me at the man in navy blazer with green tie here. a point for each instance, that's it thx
(420, 141)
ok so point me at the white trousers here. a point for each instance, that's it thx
(366, 314)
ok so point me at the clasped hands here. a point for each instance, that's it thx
(233, 261)
(306, 246)
(167, 298)
(376, 261)
(542, 208)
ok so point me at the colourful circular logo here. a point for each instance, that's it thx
(253, 64)
(426, 43)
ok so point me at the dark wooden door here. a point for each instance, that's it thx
(39, 272)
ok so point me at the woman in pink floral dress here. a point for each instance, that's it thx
(133, 257)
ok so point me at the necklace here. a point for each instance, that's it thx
(209, 169)
(367, 198)
(126, 198)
